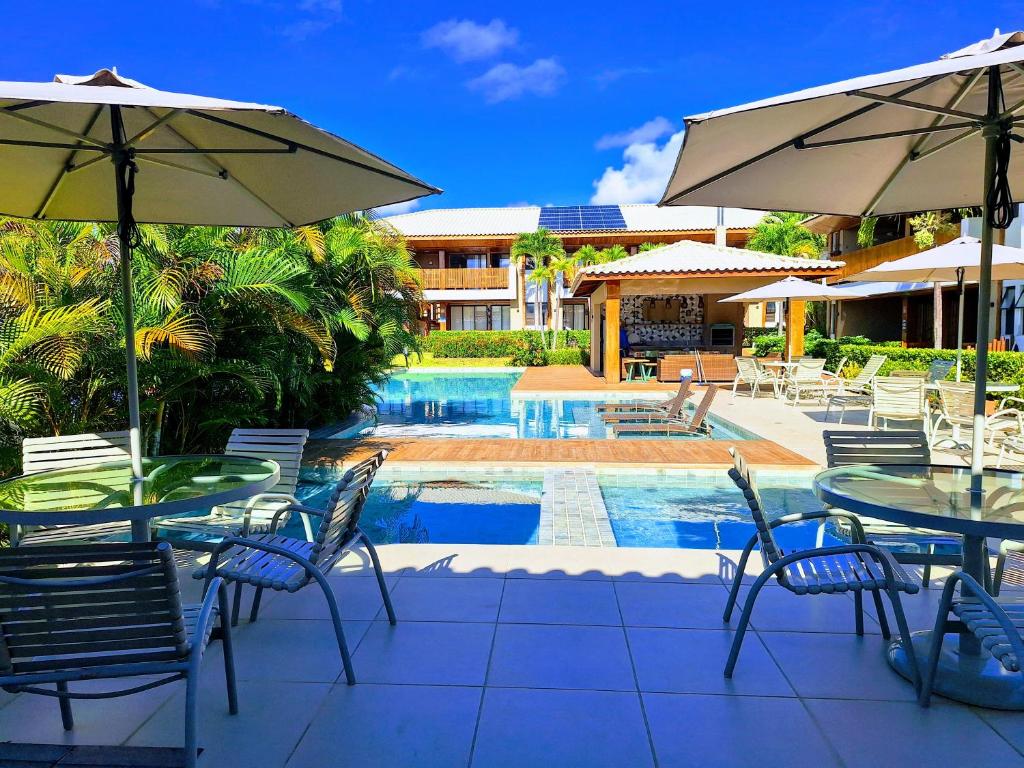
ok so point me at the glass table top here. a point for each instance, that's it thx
(931, 496)
(107, 492)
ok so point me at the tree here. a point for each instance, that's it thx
(782, 233)
(538, 247)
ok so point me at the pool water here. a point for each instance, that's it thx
(480, 405)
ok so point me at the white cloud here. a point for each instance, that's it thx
(650, 131)
(311, 18)
(396, 208)
(465, 40)
(510, 81)
(643, 175)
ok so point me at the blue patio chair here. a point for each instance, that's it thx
(996, 623)
(104, 611)
(285, 564)
(858, 567)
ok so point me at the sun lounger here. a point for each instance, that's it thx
(648, 405)
(696, 424)
(667, 409)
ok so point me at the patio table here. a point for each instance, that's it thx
(634, 364)
(943, 498)
(105, 493)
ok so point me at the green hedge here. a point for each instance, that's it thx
(495, 343)
(569, 356)
(769, 344)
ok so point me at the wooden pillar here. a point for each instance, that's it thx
(904, 318)
(612, 361)
(795, 320)
(445, 322)
(937, 315)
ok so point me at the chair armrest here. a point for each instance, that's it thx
(824, 514)
(884, 559)
(201, 631)
(235, 541)
(970, 588)
(302, 509)
(1011, 399)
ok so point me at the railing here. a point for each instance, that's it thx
(866, 258)
(447, 279)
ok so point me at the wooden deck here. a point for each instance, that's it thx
(660, 454)
(578, 378)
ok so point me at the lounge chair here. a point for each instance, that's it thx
(42, 454)
(630, 406)
(858, 567)
(806, 378)
(696, 424)
(668, 409)
(253, 515)
(855, 391)
(753, 374)
(895, 398)
(285, 564)
(956, 409)
(833, 380)
(846, 448)
(106, 612)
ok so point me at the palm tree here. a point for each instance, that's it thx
(782, 233)
(650, 247)
(561, 267)
(537, 246)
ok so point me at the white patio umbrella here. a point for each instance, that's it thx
(790, 288)
(958, 260)
(106, 148)
(908, 140)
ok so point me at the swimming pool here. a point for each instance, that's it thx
(480, 405)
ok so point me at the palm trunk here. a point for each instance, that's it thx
(158, 428)
(521, 292)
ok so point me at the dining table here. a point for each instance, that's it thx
(951, 499)
(110, 493)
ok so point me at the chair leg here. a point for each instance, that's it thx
(926, 572)
(229, 651)
(236, 606)
(66, 718)
(737, 580)
(191, 704)
(254, 611)
(938, 635)
(858, 609)
(883, 620)
(997, 578)
(379, 572)
(332, 604)
(741, 629)
(905, 639)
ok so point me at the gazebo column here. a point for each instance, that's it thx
(612, 357)
(795, 319)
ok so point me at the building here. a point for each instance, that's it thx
(469, 282)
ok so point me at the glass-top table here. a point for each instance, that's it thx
(105, 493)
(943, 498)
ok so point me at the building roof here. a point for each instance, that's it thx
(510, 221)
(827, 223)
(689, 258)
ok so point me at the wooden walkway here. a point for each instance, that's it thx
(661, 454)
(577, 378)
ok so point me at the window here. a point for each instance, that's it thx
(575, 317)
(468, 260)
(770, 309)
(500, 260)
(1009, 308)
(530, 308)
(501, 317)
(479, 317)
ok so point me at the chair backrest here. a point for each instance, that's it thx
(748, 369)
(895, 396)
(65, 609)
(809, 369)
(869, 371)
(39, 454)
(365, 469)
(700, 413)
(740, 475)
(284, 446)
(842, 364)
(890, 446)
(939, 369)
(338, 525)
(906, 373)
(957, 401)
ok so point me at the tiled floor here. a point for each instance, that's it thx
(550, 656)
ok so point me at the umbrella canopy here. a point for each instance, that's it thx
(791, 288)
(176, 158)
(932, 136)
(943, 264)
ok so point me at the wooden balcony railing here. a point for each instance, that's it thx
(866, 258)
(447, 279)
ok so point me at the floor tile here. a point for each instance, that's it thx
(296, 651)
(559, 601)
(538, 656)
(466, 599)
(691, 606)
(731, 731)
(693, 660)
(943, 734)
(425, 653)
(528, 727)
(779, 610)
(357, 598)
(228, 740)
(391, 725)
(836, 666)
(550, 562)
(1009, 725)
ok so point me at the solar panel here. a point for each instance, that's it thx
(568, 218)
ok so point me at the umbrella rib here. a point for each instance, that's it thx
(965, 135)
(168, 164)
(145, 132)
(54, 128)
(791, 142)
(917, 105)
(884, 135)
(66, 168)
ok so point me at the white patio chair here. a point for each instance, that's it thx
(956, 409)
(805, 378)
(834, 379)
(856, 391)
(894, 398)
(750, 372)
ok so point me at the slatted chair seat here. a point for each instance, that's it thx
(833, 574)
(253, 515)
(983, 623)
(73, 613)
(270, 570)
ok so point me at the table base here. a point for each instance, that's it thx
(979, 681)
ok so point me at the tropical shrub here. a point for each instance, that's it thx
(493, 343)
(528, 351)
(751, 332)
(769, 344)
(569, 356)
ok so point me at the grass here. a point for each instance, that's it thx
(428, 360)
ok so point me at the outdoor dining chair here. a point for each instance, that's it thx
(855, 391)
(667, 409)
(204, 532)
(679, 425)
(286, 564)
(805, 378)
(895, 398)
(858, 567)
(43, 454)
(75, 613)
(751, 373)
(849, 447)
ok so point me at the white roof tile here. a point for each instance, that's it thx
(455, 222)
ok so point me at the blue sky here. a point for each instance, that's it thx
(498, 103)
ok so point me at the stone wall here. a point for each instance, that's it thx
(687, 331)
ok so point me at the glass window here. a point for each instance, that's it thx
(769, 315)
(530, 310)
(480, 318)
(501, 317)
(1008, 306)
(500, 260)
(575, 317)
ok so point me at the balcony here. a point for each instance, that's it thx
(866, 258)
(472, 279)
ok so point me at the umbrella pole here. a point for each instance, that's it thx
(960, 322)
(122, 159)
